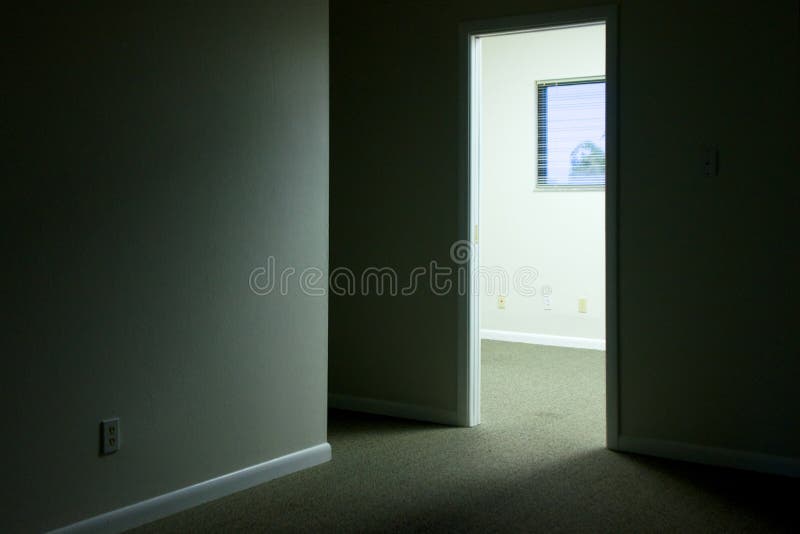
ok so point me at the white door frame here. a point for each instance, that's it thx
(469, 128)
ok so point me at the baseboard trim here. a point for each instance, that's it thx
(393, 409)
(544, 339)
(170, 503)
(753, 461)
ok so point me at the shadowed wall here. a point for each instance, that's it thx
(707, 266)
(153, 156)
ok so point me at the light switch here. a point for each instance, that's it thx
(710, 161)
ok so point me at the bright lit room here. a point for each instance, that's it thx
(542, 143)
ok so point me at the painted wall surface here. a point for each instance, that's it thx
(561, 234)
(707, 266)
(154, 156)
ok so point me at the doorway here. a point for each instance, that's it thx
(540, 123)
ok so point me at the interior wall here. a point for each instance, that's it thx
(561, 234)
(154, 155)
(707, 266)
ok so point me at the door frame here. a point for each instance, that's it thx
(468, 407)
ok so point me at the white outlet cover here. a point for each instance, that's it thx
(109, 431)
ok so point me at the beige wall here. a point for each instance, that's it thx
(156, 156)
(707, 266)
(559, 233)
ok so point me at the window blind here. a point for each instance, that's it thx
(571, 133)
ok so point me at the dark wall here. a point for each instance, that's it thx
(153, 155)
(707, 266)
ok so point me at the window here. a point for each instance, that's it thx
(572, 133)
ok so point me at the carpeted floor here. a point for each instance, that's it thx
(537, 463)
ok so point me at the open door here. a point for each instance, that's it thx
(470, 350)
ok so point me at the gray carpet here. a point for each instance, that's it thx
(536, 463)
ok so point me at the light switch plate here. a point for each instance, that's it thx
(710, 161)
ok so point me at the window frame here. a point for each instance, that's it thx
(541, 134)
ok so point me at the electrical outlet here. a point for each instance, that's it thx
(109, 434)
(547, 300)
(501, 302)
(582, 304)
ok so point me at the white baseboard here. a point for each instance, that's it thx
(393, 409)
(754, 461)
(176, 501)
(545, 339)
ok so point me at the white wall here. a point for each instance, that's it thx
(159, 154)
(560, 233)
